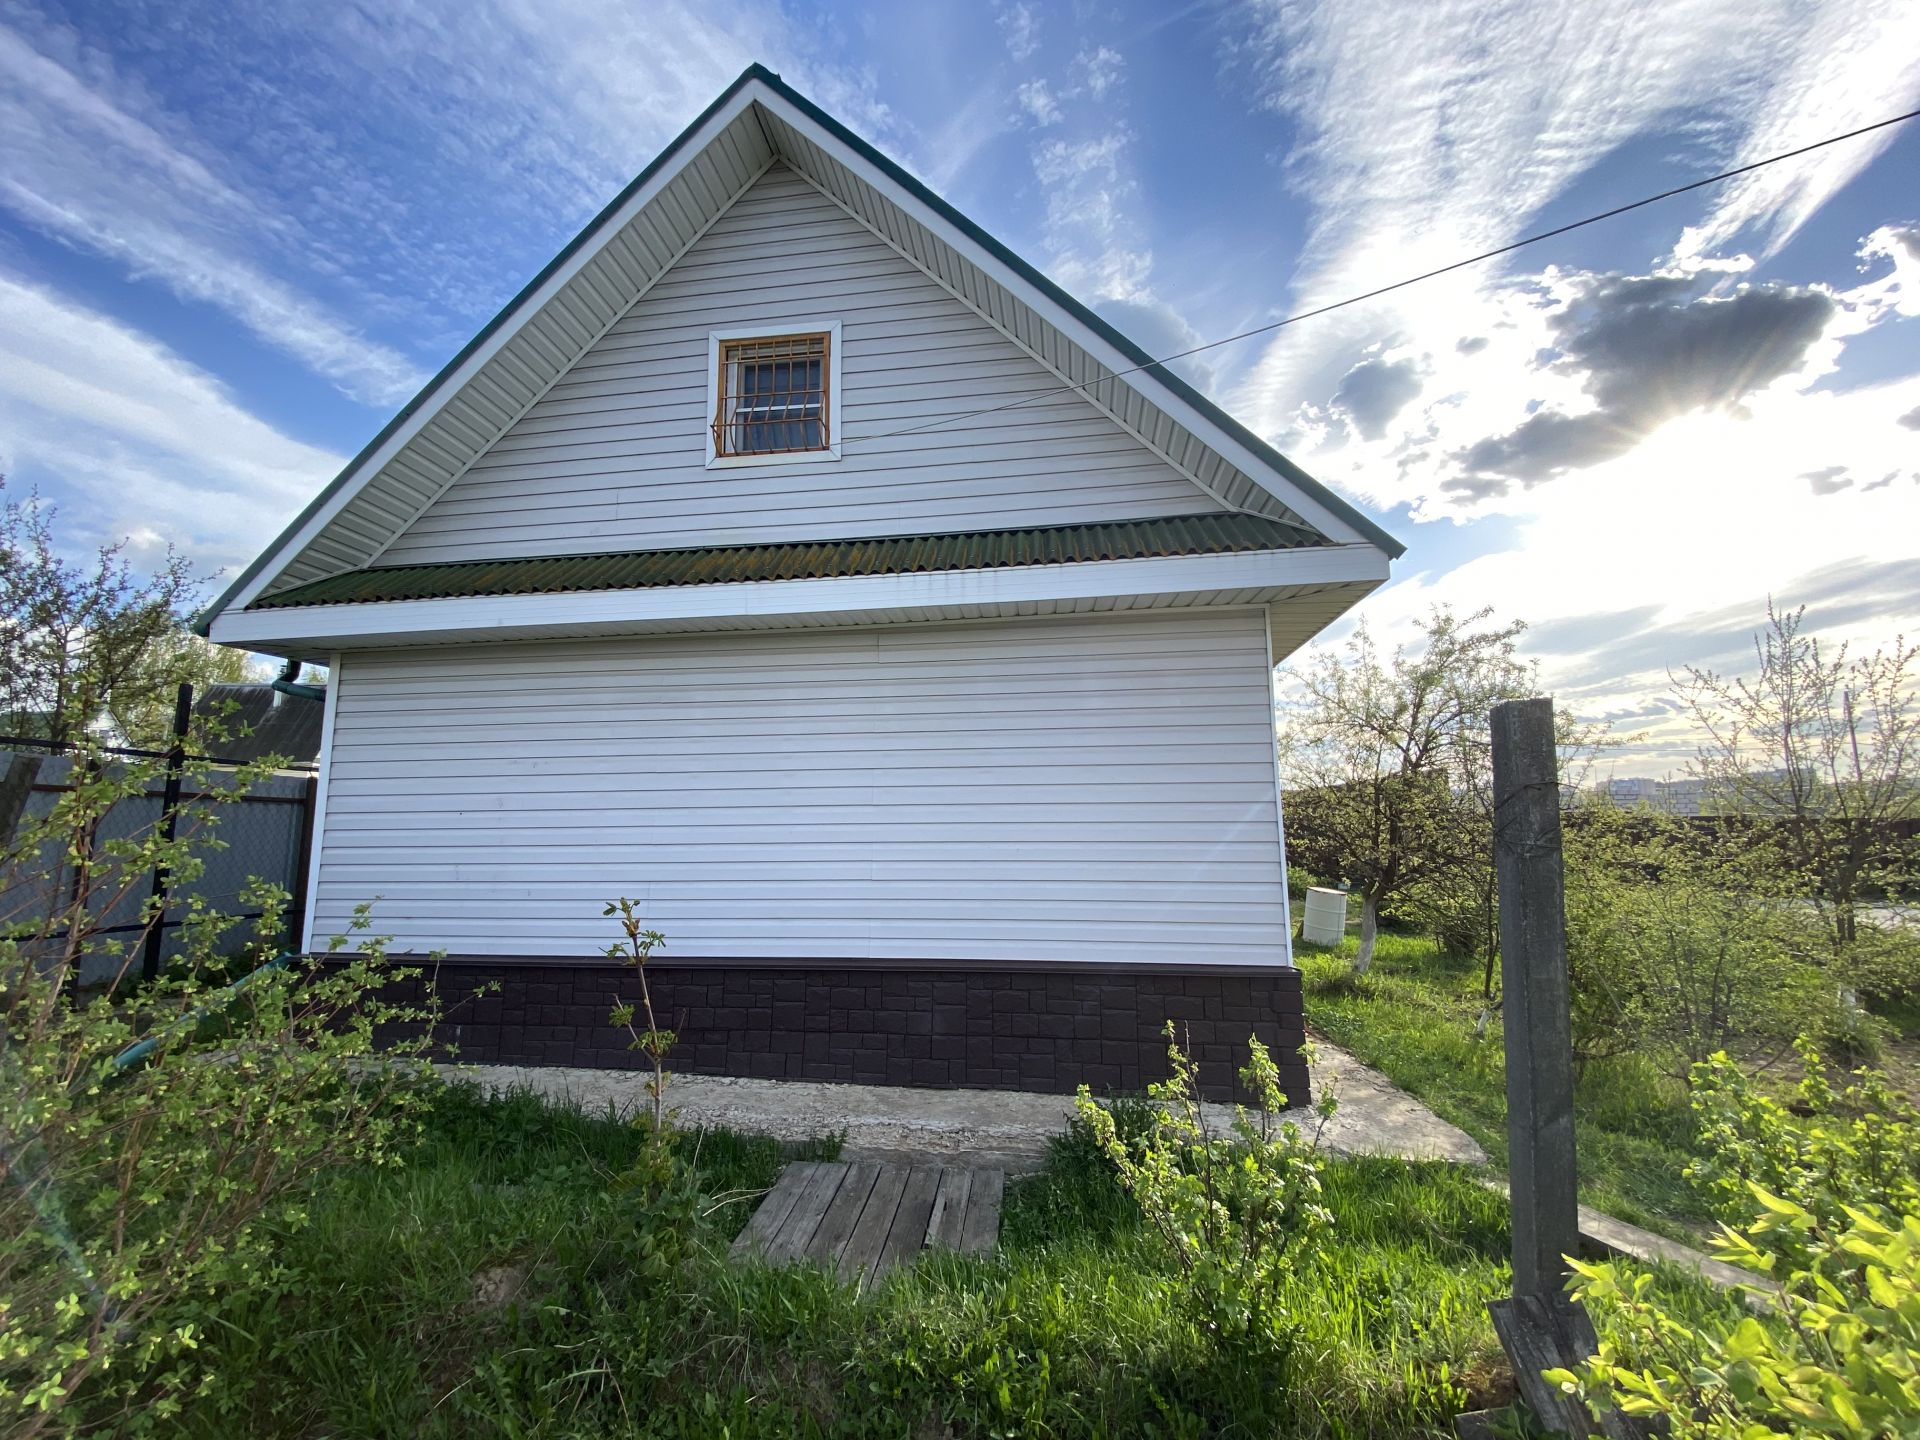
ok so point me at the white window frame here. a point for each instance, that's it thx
(836, 411)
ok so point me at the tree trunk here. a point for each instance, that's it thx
(1369, 931)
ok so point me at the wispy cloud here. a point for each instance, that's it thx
(1093, 238)
(159, 449)
(1020, 27)
(398, 170)
(1438, 130)
(1100, 69)
(1851, 64)
(1036, 101)
(84, 170)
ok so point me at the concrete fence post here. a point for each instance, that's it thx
(1536, 998)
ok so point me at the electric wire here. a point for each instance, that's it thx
(1375, 293)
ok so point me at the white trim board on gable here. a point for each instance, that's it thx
(519, 356)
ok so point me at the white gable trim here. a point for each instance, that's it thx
(1040, 358)
(528, 305)
(1249, 578)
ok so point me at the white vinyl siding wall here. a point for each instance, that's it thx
(614, 456)
(1092, 789)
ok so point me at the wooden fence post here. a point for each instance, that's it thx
(1536, 1003)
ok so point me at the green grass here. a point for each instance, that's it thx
(1415, 1017)
(627, 1320)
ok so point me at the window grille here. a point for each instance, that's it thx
(773, 396)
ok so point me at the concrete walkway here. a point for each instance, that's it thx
(1002, 1129)
(1009, 1129)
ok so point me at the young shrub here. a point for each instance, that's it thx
(635, 947)
(1236, 1212)
(152, 1135)
(1827, 1210)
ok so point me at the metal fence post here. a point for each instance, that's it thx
(169, 825)
(302, 863)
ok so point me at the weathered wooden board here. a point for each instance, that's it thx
(830, 1240)
(1550, 1332)
(870, 1231)
(797, 1230)
(980, 1231)
(863, 1219)
(949, 1209)
(908, 1234)
(774, 1210)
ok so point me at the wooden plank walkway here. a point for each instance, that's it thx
(866, 1218)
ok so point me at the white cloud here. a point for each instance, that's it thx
(1160, 330)
(1020, 28)
(1093, 241)
(158, 448)
(1435, 131)
(1038, 103)
(1665, 557)
(1850, 65)
(80, 168)
(1100, 69)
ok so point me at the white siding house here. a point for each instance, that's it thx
(794, 559)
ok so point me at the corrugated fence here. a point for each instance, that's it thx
(264, 833)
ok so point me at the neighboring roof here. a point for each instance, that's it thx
(802, 560)
(258, 720)
(633, 241)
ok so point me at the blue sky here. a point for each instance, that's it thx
(234, 240)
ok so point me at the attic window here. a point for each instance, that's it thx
(773, 395)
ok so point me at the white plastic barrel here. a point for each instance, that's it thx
(1325, 921)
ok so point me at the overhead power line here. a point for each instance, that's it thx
(1374, 294)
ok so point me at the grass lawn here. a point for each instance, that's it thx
(504, 1282)
(1414, 1017)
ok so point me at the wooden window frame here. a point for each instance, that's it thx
(718, 340)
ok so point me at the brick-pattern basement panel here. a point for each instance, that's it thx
(999, 1029)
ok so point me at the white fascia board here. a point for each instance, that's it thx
(529, 306)
(1249, 464)
(768, 602)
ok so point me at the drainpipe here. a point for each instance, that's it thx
(289, 674)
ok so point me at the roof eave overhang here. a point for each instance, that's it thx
(1258, 578)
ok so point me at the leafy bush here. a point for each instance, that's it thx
(1236, 1212)
(1828, 1219)
(1849, 1149)
(1677, 952)
(1840, 1356)
(143, 1186)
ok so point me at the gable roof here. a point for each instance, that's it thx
(638, 236)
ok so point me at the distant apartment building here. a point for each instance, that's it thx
(1682, 796)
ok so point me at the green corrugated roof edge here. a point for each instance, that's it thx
(1218, 534)
(204, 620)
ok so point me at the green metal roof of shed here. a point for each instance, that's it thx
(802, 560)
